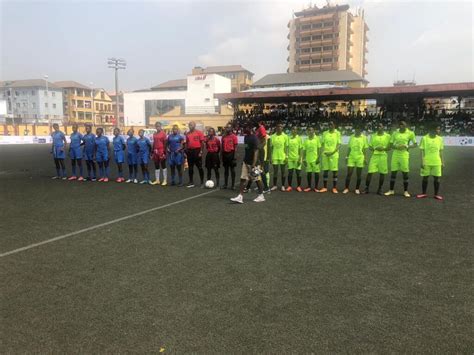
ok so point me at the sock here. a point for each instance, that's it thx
(298, 179)
(381, 180)
(74, 169)
(325, 179)
(165, 176)
(290, 177)
(64, 172)
(392, 181)
(57, 172)
(308, 179)
(424, 185)
(368, 179)
(316, 180)
(405, 181)
(157, 174)
(436, 185)
(81, 171)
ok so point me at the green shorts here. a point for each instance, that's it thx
(431, 170)
(357, 162)
(400, 163)
(378, 164)
(330, 163)
(294, 164)
(312, 167)
(278, 162)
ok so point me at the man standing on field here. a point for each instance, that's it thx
(432, 161)
(194, 148)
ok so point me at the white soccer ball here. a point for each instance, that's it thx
(209, 184)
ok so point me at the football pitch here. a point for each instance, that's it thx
(151, 269)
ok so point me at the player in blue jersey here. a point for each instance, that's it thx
(88, 141)
(132, 156)
(175, 148)
(119, 146)
(144, 149)
(58, 150)
(75, 153)
(102, 154)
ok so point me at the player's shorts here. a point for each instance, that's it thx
(431, 170)
(75, 153)
(213, 161)
(193, 157)
(88, 155)
(245, 175)
(294, 164)
(357, 162)
(102, 156)
(278, 162)
(175, 158)
(143, 159)
(132, 159)
(400, 163)
(378, 164)
(158, 156)
(119, 156)
(228, 159)
(330, 163)
(58, 153)
(312, 167)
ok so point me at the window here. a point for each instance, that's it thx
(17, 93)
(33, 105)
(206, 85)
(25, 105)
(305, 50)
(33, 93)
(45, 93)
(328, 24)
(24, 93)
(87, 104)
(54, 105)
(53, 94)
(97, 107)
(317, 25)
(327, 60)
(316, 37)
(207, 99)
(329, 35)
(304, 62)
(316, 61)
(46, 105)
(305, 27)
(102, 96)
(336, 47)
(327, 48)
(316, 49)
(305, 39)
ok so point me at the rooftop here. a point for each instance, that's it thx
(312, 11)
(305, 78)
(225, 69)
(178, 84)
(27, 83)
(71, 84)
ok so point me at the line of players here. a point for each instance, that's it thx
(284, 152)
(316, 153)
(173, 150)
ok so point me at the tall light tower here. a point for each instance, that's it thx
(116, 63)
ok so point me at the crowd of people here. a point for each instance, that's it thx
(285, 154)
(457, 123)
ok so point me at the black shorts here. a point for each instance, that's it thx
(213, 161)
(194, 158)
(228, 159)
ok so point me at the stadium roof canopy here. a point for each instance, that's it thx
(308, 78)
(388, 93)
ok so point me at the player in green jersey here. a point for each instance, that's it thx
(279, 155)
(330, 157)
(311, 154)
(356, 158)
(432, 158)
(295, 157)
(400, 142)
(379, 145)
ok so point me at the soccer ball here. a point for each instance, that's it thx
(209, 184)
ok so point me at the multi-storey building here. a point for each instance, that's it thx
(103, 110)
(32, 101)
(77, 102)
(113, 96)
(240, 78)
(328, 38)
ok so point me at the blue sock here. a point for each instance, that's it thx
(146, 177)
(64, 172)
(74, 170)
(89, 172)
(81, 171)
(107, 171)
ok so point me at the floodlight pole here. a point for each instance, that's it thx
(116, 64)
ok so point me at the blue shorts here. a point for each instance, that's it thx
(175, 158)
(119, 156)
(58, 153)
(88, 155)
(75, 153)
(132, 159)
(102, 156)
(143, 159)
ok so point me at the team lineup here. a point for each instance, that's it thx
(287, 155)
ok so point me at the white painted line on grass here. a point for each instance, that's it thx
(64, 236)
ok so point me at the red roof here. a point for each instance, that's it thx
(432, 90)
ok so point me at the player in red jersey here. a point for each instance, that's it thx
(213, 147)
(159, 155)
(229, 155)
(194, 147)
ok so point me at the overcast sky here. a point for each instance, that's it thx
(162, 40)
